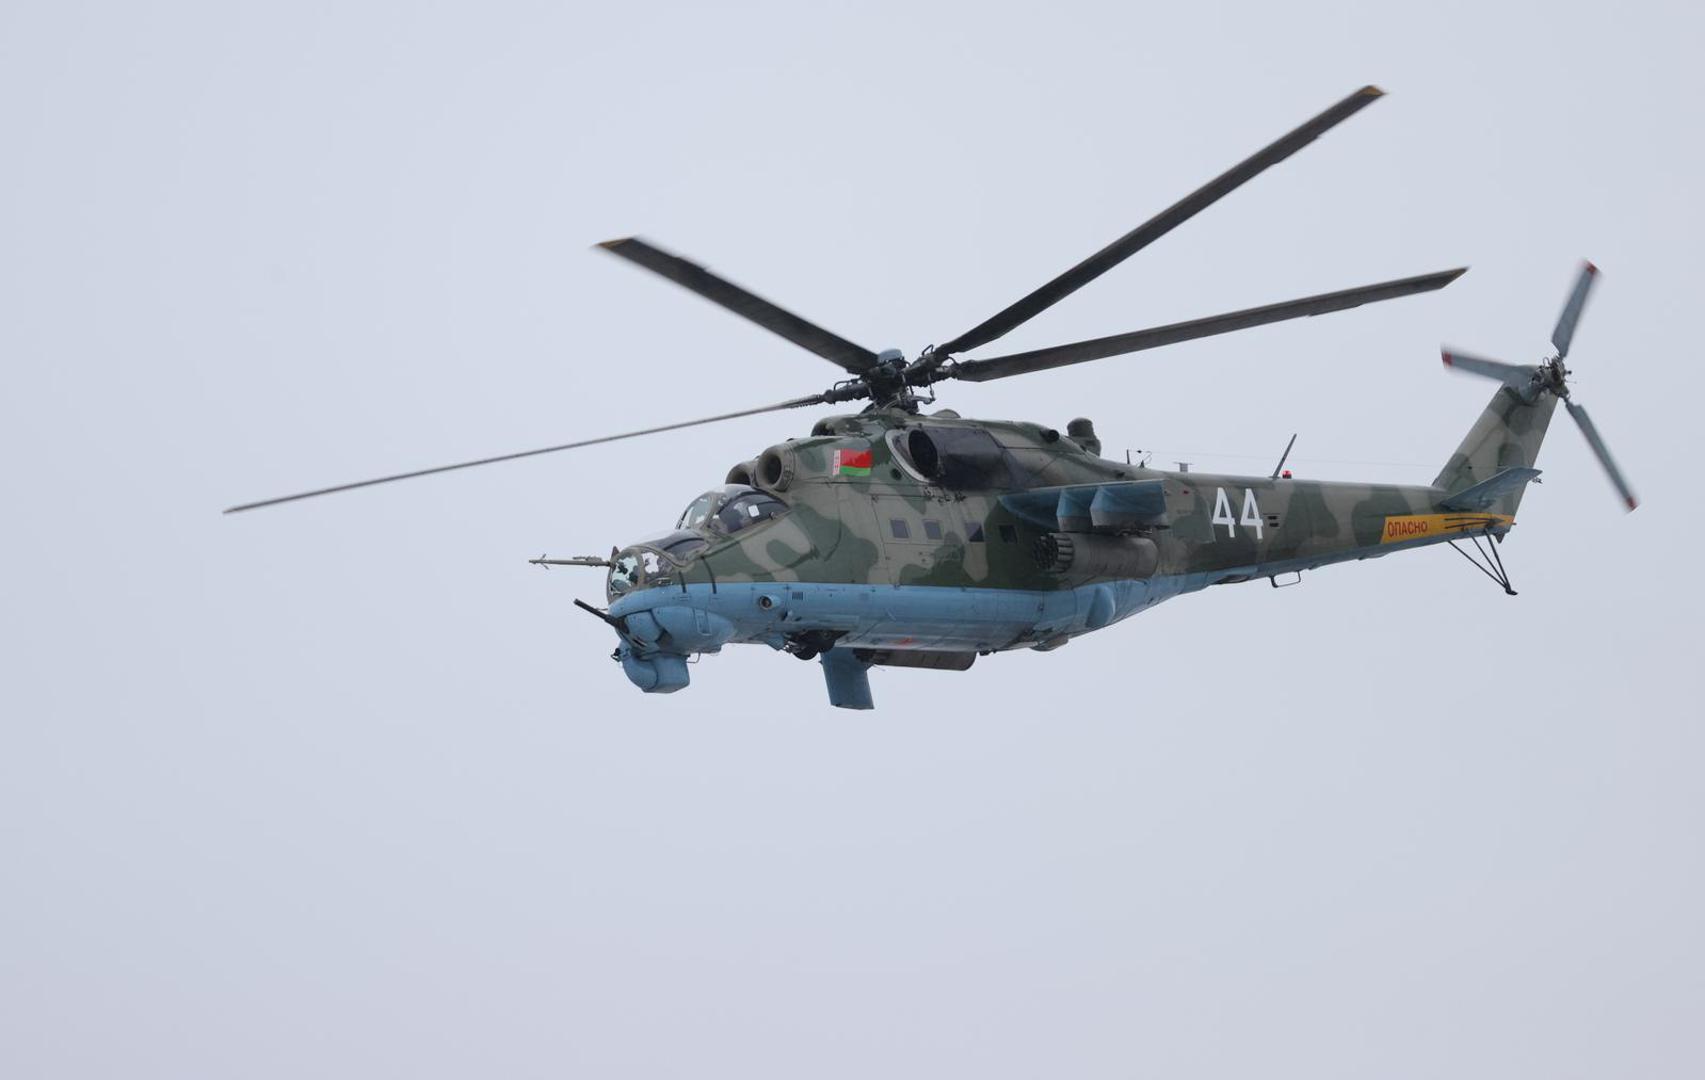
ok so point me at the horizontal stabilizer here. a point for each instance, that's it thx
(1482, 495)
(1084, 507)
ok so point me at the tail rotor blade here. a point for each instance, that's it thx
(1565, 331)
(1515, 375)
(1602, 452)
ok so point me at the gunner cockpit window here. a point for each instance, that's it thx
(624, 575)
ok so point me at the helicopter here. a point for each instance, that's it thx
(896, 537)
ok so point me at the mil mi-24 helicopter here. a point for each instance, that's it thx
(892, 537)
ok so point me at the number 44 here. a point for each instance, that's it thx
(1251, 513)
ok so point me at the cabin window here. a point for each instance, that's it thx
(932, 529)
(1009, 534)
(901, 532)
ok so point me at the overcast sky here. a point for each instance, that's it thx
(348, 789)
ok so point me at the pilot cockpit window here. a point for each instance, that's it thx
(730, 509)
(699, 510)
(744, 511)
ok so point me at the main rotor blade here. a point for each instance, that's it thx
(1514, 375)
(1159, 225)
(1565, 331)
(689, 275)
(1078, 352)
(815, 399)
(1602, 452)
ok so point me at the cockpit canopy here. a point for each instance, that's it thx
(730, 508)
(653, 562)
(716, 514)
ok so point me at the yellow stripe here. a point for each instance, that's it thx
(1401, 528)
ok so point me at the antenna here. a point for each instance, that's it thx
(1282, 457)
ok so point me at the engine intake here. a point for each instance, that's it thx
(776, 468)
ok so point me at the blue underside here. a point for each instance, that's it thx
(899, 616)
(933, 616)
(665, 625)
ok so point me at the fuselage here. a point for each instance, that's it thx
(927, 540)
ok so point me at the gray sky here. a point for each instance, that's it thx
(349, 789)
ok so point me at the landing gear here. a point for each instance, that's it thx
(1489, 562)
(847, 678)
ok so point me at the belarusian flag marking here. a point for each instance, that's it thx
(851, 463)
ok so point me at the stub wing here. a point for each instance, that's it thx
(1087, 507)
(1481, 496)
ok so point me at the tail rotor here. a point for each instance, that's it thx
(1602, 452)
(1550, 376)
(1565, 331)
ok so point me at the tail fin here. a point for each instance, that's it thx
(1493, 465)
(1507, 436)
